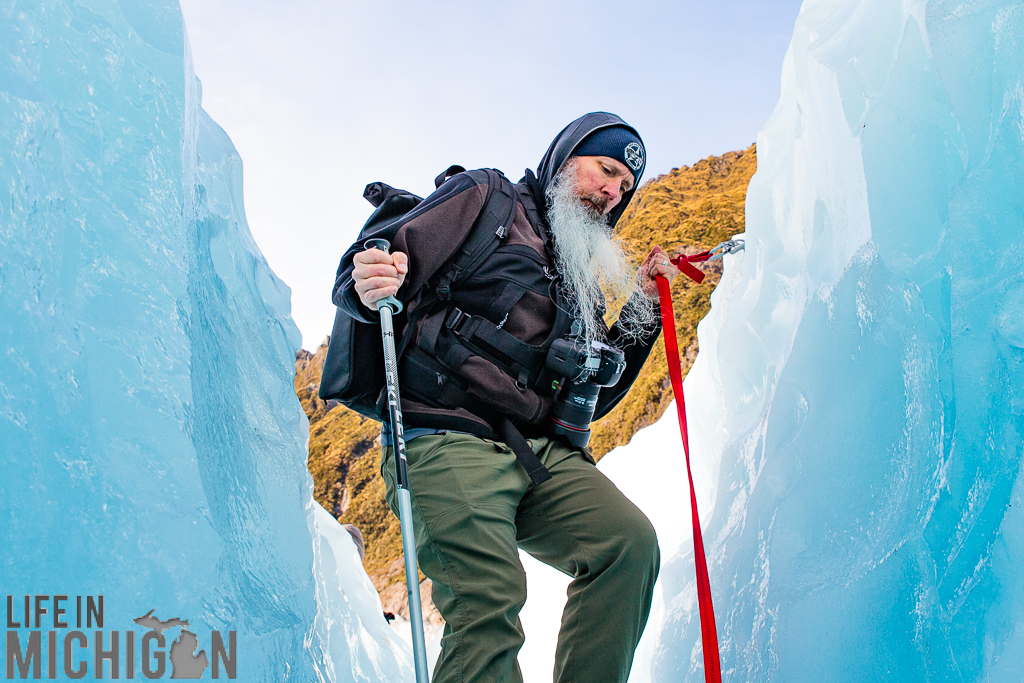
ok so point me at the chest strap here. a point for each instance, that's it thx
(517, 358)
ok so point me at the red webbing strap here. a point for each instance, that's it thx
(709, 634)
(682, 262)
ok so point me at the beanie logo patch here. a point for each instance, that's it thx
(634, 155)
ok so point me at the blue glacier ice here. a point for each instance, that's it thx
(152, 448)
(861, 373)
(855, 409)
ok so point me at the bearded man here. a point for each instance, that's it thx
(492, 468)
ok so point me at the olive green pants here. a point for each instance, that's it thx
(473, 505)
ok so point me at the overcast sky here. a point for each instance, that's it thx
(322, 97)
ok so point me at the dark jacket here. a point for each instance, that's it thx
(518, 298)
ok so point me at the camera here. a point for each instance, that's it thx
(585, 369)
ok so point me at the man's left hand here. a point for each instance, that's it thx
(656, 264)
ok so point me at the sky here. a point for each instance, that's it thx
(322, 97)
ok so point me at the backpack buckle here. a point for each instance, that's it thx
(455, 320)
(444, 291)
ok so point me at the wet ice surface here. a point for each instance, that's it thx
(153, 448)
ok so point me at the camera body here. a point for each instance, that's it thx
(586, 369)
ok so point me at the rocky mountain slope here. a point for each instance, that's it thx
(690, 209)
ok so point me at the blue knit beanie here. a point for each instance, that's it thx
(618, 143)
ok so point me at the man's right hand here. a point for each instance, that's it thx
(378, 275)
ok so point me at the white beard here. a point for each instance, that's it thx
(588, 257)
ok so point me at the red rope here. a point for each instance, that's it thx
(709, 634)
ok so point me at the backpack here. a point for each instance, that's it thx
(353, 371)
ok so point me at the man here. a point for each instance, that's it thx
(476, 497)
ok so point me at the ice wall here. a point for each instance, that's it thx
(861, 374)
(152, 446)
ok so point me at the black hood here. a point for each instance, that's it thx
(561, 149)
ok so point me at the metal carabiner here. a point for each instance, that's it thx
(729, 247)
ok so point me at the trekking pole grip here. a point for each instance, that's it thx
(391, 302)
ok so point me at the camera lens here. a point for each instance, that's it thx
(573, 411)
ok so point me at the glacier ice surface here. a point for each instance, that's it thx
(153, 449)
(861, 372)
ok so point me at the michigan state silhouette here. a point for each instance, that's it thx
(184, 662)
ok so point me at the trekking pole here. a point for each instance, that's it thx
(388, 307)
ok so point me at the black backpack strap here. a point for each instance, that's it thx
(524, 454)
(481, 243)
(488, 233)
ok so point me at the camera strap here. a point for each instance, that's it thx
(515, 440)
